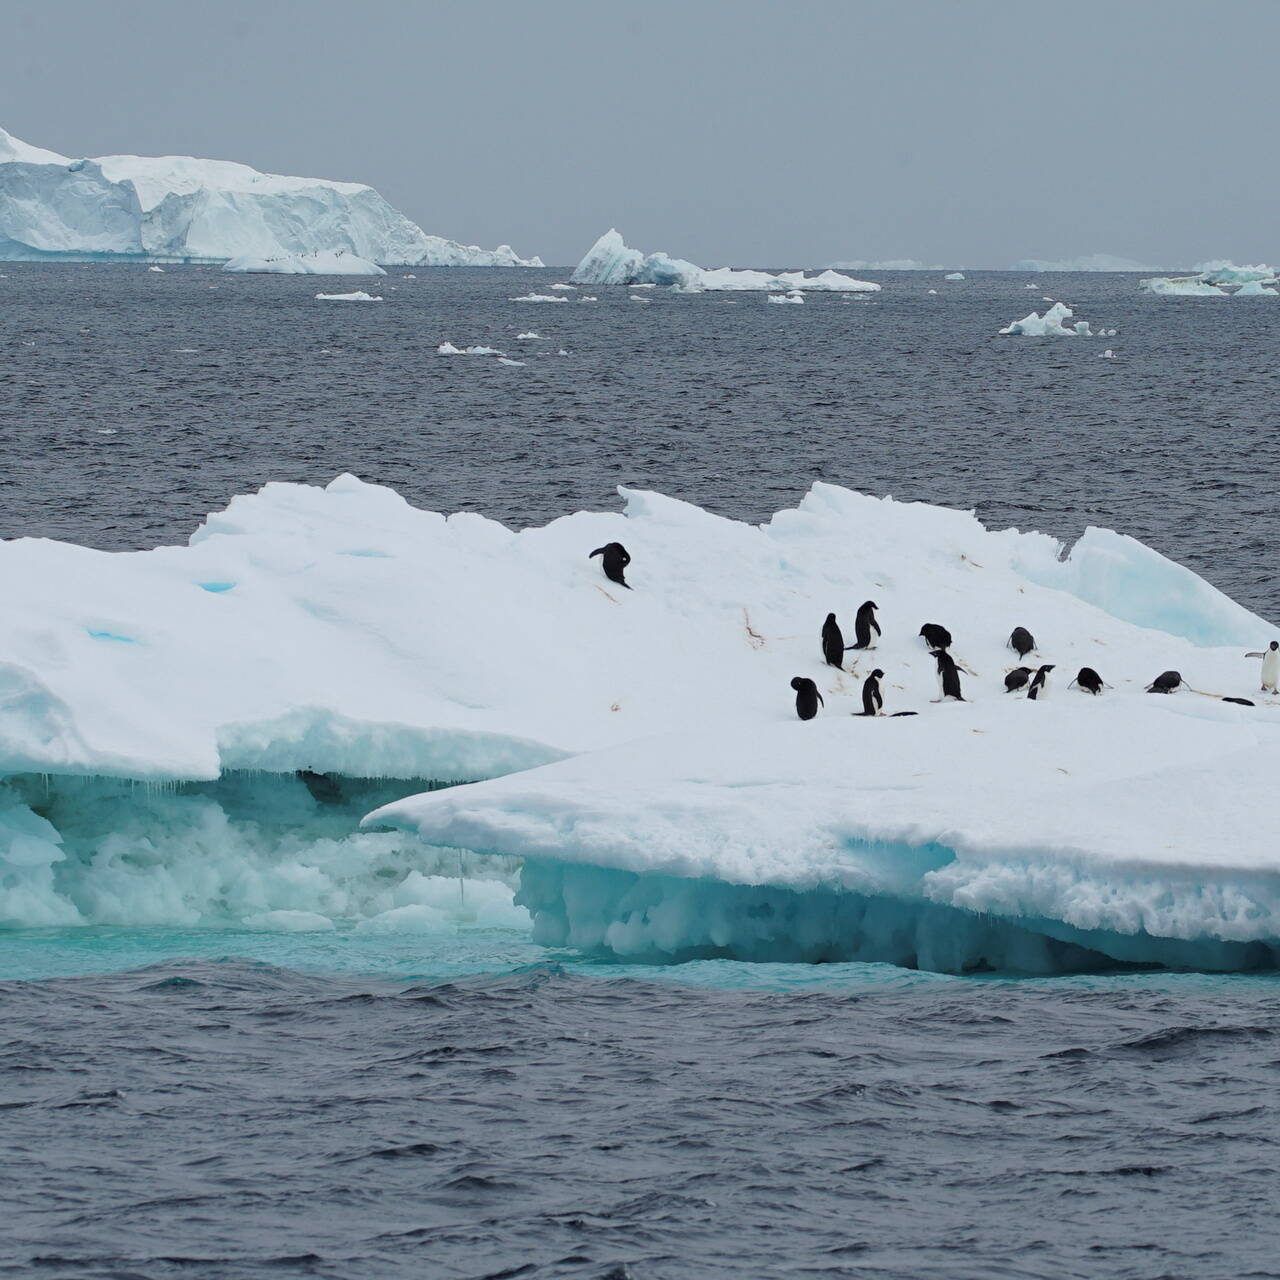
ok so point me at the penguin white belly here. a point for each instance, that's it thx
(1271, 669)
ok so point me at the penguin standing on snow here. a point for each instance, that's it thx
(807, 697)
(1022, 641)
(1017, 679)
(1040, 682)
(1166, 682)
(948, 677)
(935, 636)
(614, 558)
(864, 624)
(1270, 666)
(1089, 681)
(872, 698)
(833, 643)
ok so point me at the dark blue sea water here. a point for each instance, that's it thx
(225, 1104)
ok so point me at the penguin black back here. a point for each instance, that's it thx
(872, 698)
(948, 675)
(832, 643)
(864, 624)
(807, 697)
(614, 558)
(1039, 681)
(1022, 641)
(1089, 680)
(935, 636)
(1017, 679)
(1165, 682)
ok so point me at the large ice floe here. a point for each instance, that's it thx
(1214, 280)
(337, 263)
(609, 261)
(178, 208)
(190, 735)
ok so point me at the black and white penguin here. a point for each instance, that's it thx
(1270, 666)
(1040, 682)
(614, 558)
(935, 636)
(833, 643)
(1017, 679)
(1166, 682)
(872, 698)
(1022, 641)
(948, 677)
(807, 697)
(1088, 680)
(864, 624)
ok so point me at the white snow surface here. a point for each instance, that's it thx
(178, 208)
(322, 263)
(609, 261)
(341, 630)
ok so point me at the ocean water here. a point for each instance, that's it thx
(224, 1103)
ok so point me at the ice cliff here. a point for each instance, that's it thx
(191, 734)
(177, 208)
(609, 261)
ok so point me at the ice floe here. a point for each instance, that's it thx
(539, 297)
(448, 349)
(358, 296)
(335, 262)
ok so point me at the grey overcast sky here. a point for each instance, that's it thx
(744, 132)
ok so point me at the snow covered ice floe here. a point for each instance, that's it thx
(358, 296)
(315, 655)
(609, 261)
(324, 263)
(178, 208)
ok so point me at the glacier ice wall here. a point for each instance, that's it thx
(178, 208)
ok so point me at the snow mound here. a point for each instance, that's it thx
(1051, 324)
(609, 261)
(324, 263)
(358, 296)
(178, 208)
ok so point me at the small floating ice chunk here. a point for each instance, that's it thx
(159, 269)
(1050, 324)
(794, 296)
(448, 349)
(562, 352)
(955, 275)
(588, 299)
(634, 298)
(529, 335)
(513, 364)
(1108, 354)
(409, 277)
(358, 296)
(564, 286)
(933, 291)
(539, 297)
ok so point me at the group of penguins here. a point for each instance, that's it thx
(937, 639)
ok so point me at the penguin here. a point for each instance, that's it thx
(1270, 666)
(1166, 682)
(1017, 679)
(1088, 681)
(935, 637)
(1040, 682)
(872, 698)
(1022, 641)
(948, 676)
(807, 697)
(833, 645)
(614, 558)
(864, 624)
(1241, 702)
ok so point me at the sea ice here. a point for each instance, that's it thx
(794, 296)
(540, 297)
(358, 296)
(448, 349)
(955, 275)
(1050, 324)
(609, 261)
(1254, 289)
(1181, 287)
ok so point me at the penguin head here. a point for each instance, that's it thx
(1275, 644)
(1048, 666)
(870, 604)
(877, 674)
(831, 617)
(798, 683)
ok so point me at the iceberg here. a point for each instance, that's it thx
(181, 209)
(1254, 289)
(192, 734)
(889, 264)
(1210, 279)
(955, 275)
(1089, 262)
(339, 263)
(1181, 287)
(1051, 324)
(1221, 271)
(609, 261)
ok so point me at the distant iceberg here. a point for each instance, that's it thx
(180, 209)
(955, 275)
(1212, 280)
(890, 264)
(609, 261)
(337, 263)
(1090, 262)
(1220, 271)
